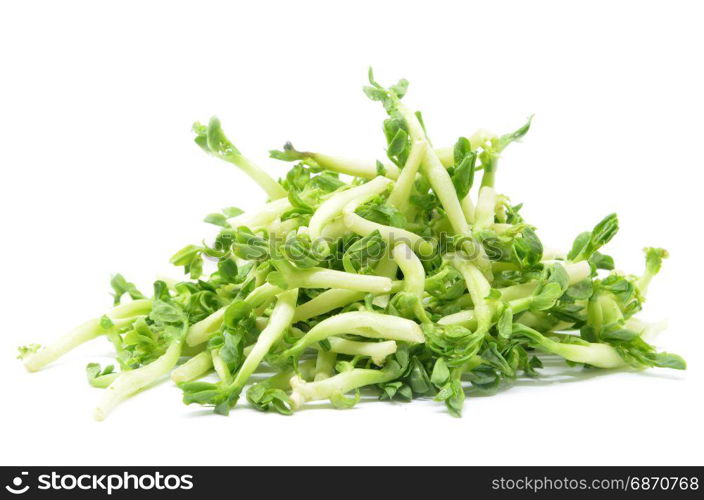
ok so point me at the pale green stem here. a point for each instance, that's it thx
(133, 381)
(486, 208)
(377, 351)
(194, 368)
(326, 302)
(339, 384)
(324, 365)
(272, 188)
(365, 324)
(220, 366)
(201, 331)
(356, 168)
(436, 173)
(401, 192)
(330, 278)
(332, 207)
(120, 316)
(263, 217)
(280, 320)
(391, 235)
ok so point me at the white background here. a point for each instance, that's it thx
(100, 175)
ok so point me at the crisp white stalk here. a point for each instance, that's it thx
(263, 217)
(385, 267)
(332, 207)
(378, 351)
(647, 331)
(459, 318)
(391, 235)
(120, 315)
(280, 319)
(412, 269)
(354, 167)
(553, 254)
(194, 368)
(324, 365)
(595, 354)
(334, 229)
(329, 278)
(220, 367)
(479, 289)
(326, 302)
(272, 188)
(476, 140)
(337, 385)
(133, 381)
(363, 323)
(436, 173)
(576, 272)
(468, 209)
(367, 169)
(401, 191)
(260, 322)
(486, 208)
(282, 228)
(201, 331)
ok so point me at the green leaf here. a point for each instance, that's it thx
(507, 139)
(441, 373)
(654, 258)
(230, 212)
(121, 287)
(587, 244)
(461, 150)
(505, 323)
(667, 360)
(27, 350)
(106, 323)
(288, 153)
(363, 255)
(463, 175)
(216, 219)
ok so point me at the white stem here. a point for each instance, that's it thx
(272, 188)
(280, 319)
(220, 367)
(133, 381)
(326, 302)
(437, 174)
(201, 331)
(363, 323)
(479, 288)
(468, 208)
(120, 315)
(324, 365)
(263, 217)
(378, 351)
(339, 384)
(576, 272)
(486, 208)
(391, 235)
(332, 207)
(354, 167)
(404, 185)
(194, 368)
(412, 269)
(329, 278)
